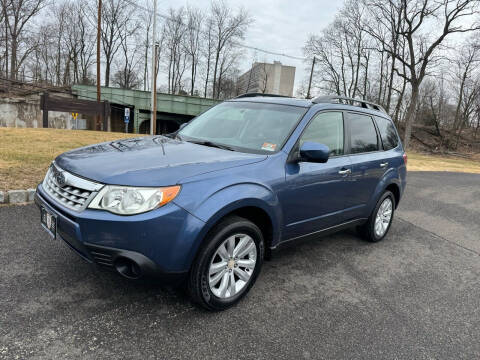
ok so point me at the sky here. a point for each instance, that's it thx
(281, 26)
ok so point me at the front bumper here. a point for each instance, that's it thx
(162, 242)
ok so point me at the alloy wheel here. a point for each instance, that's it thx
(383, 218)
(232, 265)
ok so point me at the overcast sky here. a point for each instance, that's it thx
(280, 25)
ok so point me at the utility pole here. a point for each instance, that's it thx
(310, 81)
(153, 118)
(99, 26)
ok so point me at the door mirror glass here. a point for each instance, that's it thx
(314, 152)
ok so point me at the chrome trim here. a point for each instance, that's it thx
(74, 192)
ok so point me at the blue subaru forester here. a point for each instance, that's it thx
(208, 203)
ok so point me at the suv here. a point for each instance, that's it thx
(210, 202)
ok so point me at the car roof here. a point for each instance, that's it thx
(321, 102)
(276, 100)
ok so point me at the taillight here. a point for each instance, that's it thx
(405, 158)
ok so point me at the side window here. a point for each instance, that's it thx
(326, 128)
(363, 135)
(387, 133)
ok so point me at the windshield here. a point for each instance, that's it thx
(244, 126)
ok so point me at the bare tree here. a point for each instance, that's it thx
(115, 14)
(17, 14)
(173, 31)
(340, 50)
(421, 41)
(227, 29)
(192, 46)
(466, 63)
(208, 52)
(127, 77)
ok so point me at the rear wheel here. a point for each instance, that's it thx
(379, 222)
(227, 265)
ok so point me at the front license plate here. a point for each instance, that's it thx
(49, 221)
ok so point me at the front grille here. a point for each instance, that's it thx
(71, 191)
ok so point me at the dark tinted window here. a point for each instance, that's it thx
(326, 128)
(363, 134)
(387, 132)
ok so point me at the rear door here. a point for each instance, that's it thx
(315, 193)
(368, 163)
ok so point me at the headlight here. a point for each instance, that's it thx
(126, 200)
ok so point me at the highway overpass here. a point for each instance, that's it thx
(172, 110)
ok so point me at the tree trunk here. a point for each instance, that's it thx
(107, 73)
(206, 78)
(217, 57)
(145, 68)
(13, 59)
(381, 80)
(411, 113)
(459, 104)
(6, 50)
(390, 85)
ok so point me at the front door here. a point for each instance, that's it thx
(314, 198)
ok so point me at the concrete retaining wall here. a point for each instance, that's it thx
(24, 111)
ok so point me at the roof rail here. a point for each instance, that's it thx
(350, 101)
(247, 95)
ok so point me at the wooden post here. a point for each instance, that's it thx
(44, 107)
(99, 26)
(310, 81)
(106, 113)
(153, 118)
(154, 109)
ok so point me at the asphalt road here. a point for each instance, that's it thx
(414, 295)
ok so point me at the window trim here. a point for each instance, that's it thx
(379, 139)
(295, 148)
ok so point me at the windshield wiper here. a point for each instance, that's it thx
(212, 144)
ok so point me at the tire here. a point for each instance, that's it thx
(213, 263)
(368, 230)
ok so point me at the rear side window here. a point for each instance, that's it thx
(387, 133)
(363, 136)
(326, 128)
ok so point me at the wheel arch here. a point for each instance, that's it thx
(391, 182)
(255, 210)
(395, 189)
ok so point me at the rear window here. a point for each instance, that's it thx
(387, 133)
(363, 136)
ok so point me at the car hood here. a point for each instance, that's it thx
(149, 161)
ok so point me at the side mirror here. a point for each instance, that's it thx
(314, 152)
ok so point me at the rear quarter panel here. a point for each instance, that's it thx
(395, 174)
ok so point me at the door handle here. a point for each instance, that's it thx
(345, 171)
(382, 165)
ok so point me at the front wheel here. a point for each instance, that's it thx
(227, 265)
(379, 222)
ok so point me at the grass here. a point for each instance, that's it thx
(26, 153)
(426, 162)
